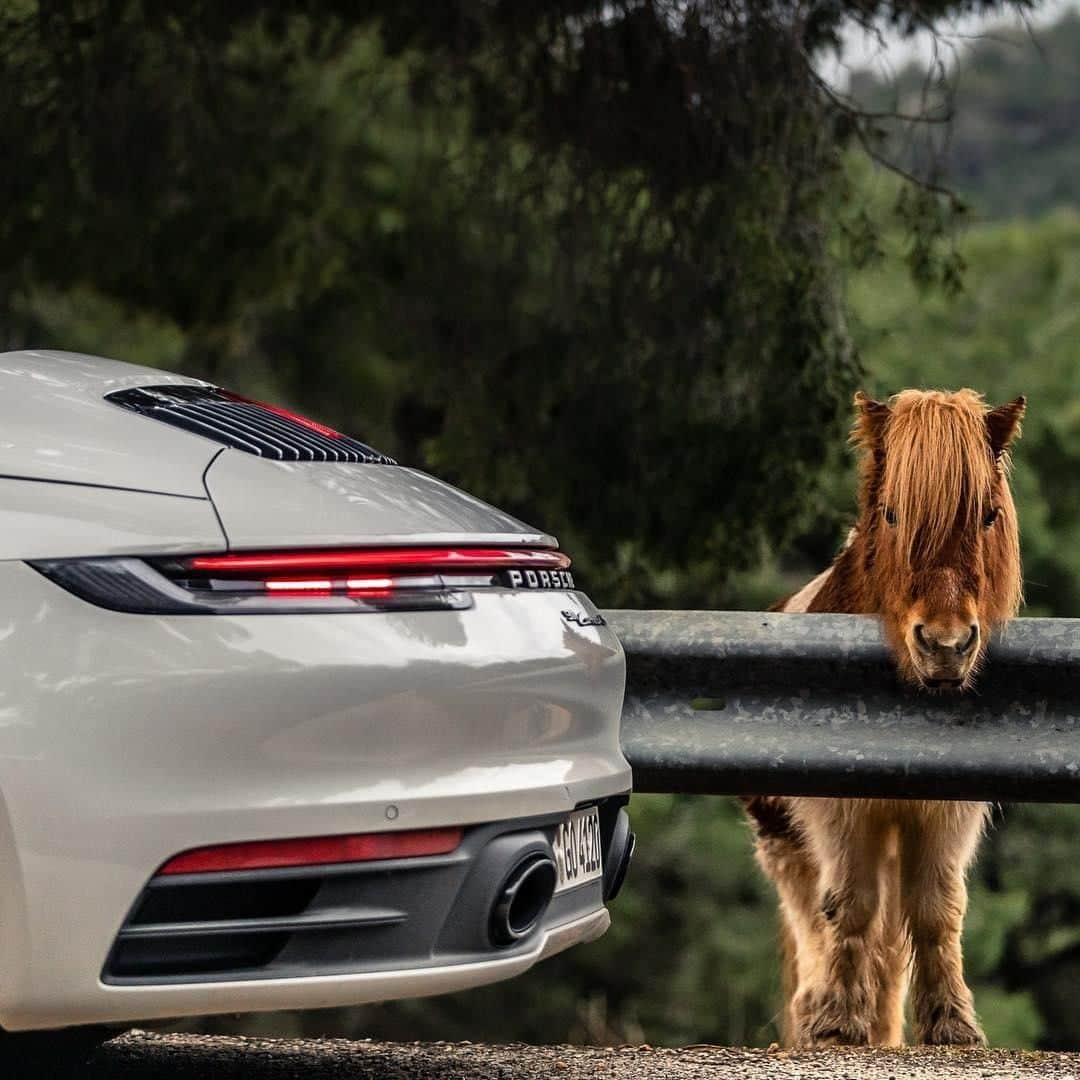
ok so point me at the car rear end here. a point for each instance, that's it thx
(285, 724)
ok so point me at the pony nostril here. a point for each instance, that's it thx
(920, 639)
(966, 646)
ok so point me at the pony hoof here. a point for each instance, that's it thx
(841, 1036)
(952, 1029)
(828, 1021)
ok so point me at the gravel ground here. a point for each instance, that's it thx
(141, 1056)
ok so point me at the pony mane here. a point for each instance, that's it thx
(937, 465)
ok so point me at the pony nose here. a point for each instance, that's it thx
(952, 639)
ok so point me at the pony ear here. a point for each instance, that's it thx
(870, 419)
(1003, 424)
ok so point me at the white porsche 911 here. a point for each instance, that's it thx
(283, 724)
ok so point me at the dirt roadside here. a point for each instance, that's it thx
(141, 1055)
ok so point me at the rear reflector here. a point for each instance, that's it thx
(315, 851)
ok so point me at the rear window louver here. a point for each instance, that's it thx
(256, 428)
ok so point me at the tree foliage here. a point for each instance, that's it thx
(1011, 145)
(514, 242)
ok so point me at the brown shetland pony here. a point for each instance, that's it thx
(873, 889)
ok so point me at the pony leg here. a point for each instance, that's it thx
(783, 856)
(840, 1006)
(934, 862)
(790, 948)
(802, 938)
(888, 1026)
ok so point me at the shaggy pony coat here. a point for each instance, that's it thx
(872, 891)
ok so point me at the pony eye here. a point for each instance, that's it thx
(991, 516)
(890, 516)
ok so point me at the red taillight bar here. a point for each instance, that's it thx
(315, 851)
(441, 558)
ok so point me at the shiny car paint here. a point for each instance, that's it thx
(126, 739)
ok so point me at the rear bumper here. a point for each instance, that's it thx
(441, 942)
(125, 739)
(324, 919)
(128, 1004)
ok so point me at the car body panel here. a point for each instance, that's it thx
(266, 503)
(55, 424)
(125, 739)
(50, 520)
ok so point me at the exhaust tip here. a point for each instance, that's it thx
(523, 899)
(618, 855)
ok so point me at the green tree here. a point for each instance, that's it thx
(515, 243)
(1012, 141)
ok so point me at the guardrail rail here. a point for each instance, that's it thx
(748, 702)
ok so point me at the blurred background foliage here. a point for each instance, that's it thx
(617, 267)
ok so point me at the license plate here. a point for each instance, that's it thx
(578, 852)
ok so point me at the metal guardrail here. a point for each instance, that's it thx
(754, 702)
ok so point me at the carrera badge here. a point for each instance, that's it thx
(581, 618)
